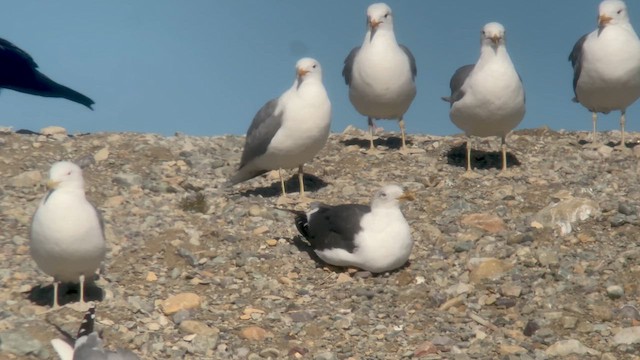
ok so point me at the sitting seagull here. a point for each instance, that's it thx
(19, 72)
(381, 73)
(606, 64)
(88, 345)
(290, 130)
(67, 232)
(487, 99)
(375, 238)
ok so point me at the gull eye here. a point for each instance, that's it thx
(315, 66)
(619, 11)
(386, 15)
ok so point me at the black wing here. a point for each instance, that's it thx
(576, 60)
(347, 70)
(457, 80)
(333, 226)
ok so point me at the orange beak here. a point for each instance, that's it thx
(302, 72)
(604, 20)
(374, 23)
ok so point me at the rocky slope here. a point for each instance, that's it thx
(540, 262)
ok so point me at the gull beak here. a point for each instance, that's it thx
(302, 72)
(495, 39)
(407, 196)
(604, 20)
(373, 23)
(52, 184)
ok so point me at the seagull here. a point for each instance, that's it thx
(88, 345)
(375, 238)
(67, 232)
(19, 72)
(487, 99)
(606, 64)
(288, 131)
(381, 73)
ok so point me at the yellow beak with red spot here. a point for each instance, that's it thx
(604, 20)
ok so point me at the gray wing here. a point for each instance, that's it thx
(576, 60)
(263, 128)
(347, 70)
(412, 61)
(335, 226)
(457, 80)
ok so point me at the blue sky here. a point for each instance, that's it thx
(205, 67)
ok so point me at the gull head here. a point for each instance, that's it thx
(307, 68)
(612, 12)
(493, 34)
(65, 174)
(379, 17)
(389, 196)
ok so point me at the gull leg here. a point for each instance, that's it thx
(401, 123)
(303, 196)
(56, 283)
(82, 289)
(283, 199)
(503, 145)
(372, 126)
(594, 119)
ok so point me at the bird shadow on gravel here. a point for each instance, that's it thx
(391, 142)
(480, 159)
(67, 293)
(311, 183)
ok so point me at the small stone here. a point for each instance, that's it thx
(197, 327)
(628, 336)
(511, 290)
(569, 322)
(101, 155)
(463, 246)
(506, 349)
(486, 268)
(182, 301)
(26, 179)
(562, 215)
(617, 220)
(626, 209)
(568, 347)
(270, 353)
(487, 222)
(327, 355)
(151, 276)
(255, 333)
(19, 343)
(260, 230)
(530, 328)
(343, 278)
(127, 180)
(272, 242)
(615, 291)
(53, 130)
(114, 201)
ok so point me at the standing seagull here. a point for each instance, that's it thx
(19, 72)
(487, 99)
(67, 233)
(381, 73)
(290, 130)
(375, 238)
(88, 345)
(606, 64)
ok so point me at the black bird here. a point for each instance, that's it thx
(18, 71)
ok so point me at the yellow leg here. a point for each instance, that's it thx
(301, 180)
(56, 283)
(371, 129)
(401, 123)
(504, 152)
(81, 289)
(284, 192)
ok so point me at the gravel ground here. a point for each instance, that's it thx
(537, 263)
